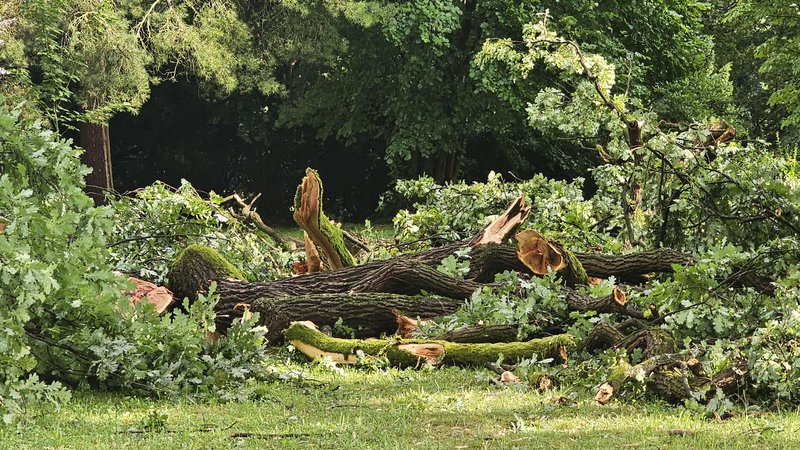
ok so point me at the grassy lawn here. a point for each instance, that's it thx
(447, 408)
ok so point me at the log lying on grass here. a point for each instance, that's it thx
(305, 337)
(368, 314)
(292, 296)
(671, 376)
(288, 299)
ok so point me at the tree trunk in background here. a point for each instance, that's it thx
(94, 138)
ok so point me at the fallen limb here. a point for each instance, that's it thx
(305, 337)
(194, 269)
(197, 266)
(673, 377)
(367, 314)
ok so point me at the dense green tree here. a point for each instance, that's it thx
(759, 41)
(87, 60)
(408, 74)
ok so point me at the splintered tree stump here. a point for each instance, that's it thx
(310, 217)
(313, 261)
(505, 224)
(305, 337)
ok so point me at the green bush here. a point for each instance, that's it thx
(64, 318)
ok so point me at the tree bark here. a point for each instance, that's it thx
(367, 314)
(481, 333)
(97, 155)
(412, 353)
(197, 266)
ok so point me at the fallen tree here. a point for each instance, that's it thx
(390, 297)
(305, 337)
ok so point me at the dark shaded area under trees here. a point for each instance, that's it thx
(180, 134)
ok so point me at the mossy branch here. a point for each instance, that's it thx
(310, 217)
(412, 352)
(195, 267)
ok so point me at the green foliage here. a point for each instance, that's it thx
(734, 208)
(65, 319)
(532, 304)
(52, 251)
(777, 23)
(157, 222)
(89, 61)
(411, 75)
(774, 355)
(458, 210)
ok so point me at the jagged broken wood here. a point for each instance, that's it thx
(310, 217)
(305, 337)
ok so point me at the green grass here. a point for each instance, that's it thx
(379, 231)
(447, 408)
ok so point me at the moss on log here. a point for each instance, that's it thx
(195, 267)
(412, 352)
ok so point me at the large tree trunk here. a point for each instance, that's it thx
(367, 314)
(341, 294)
(96, 142)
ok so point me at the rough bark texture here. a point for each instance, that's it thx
(481, 333)
(395, 276)
(368, 314)
(97, 145)
(608, 304)
(404, 353)
(195, 267)
(633, 265)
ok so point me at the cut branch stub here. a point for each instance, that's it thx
(505, 225)
(538, 255)
(541, 256)
(309, 216)
(159, 296)
(619, 296)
